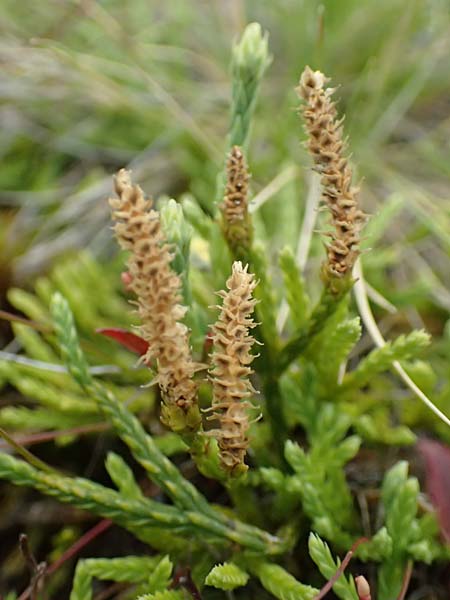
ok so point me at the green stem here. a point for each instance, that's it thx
(239, 533)
(137, 515)
(26, 454)
(328, 304)
(274, 408)
(160, 469)
(266, 334)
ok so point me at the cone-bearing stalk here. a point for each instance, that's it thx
(327, 147)
(230, 369)
(158, 291)
(236, 221)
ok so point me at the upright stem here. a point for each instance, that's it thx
(329, 302)
(275, 411)
(269, 373)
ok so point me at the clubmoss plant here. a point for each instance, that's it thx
(245, 502)
(236, 223)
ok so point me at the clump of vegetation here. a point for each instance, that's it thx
(277, 484)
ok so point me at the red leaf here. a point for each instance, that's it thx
(437, 471)
(129, 340)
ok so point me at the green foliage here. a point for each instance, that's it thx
(164, 595)
(344, 587)
(68, 341)
(296, 295)
(250, 58)
(159, 578)
(30, 305)
(319, 480)
(335, 349)
(281, 584)
(54, 401)
(130, 569)
(379, 547)
(329, 303)
(22, 418)
(264, 292)
(139, 515)
(122, 476)
(226, 577)
(376, 428)
(400, 497)
(299, 391)
(404, 347)
(178, 233)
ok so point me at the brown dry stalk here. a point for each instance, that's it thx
(230, 369)
(327, 146)
(236, 221)
(158, 291)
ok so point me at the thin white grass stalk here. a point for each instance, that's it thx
(368, 319)
(273, 187)
(379, 299)
(46, 366)
(309, 220)
(440, 293)
(304, 239)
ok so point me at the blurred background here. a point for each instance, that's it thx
(90, 86)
